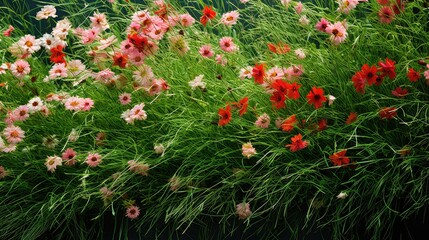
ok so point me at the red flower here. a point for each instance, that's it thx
(289, 123)
(359, 82)
(225, 115)
(139, 42)
(379, 80)
(339, 158)
(370, 73)
(208, 13)
(387, 112)
(399, 6)
(388, 68)
(322, 125)
(258, 73)
(297, 143)
(400, 92)
(57, 55)
(413, 75)
(242, 105)
(386, 15)
(316, 97)
(279, 48)
(351, 118)
(120, 60)
(293, 90)
(278, 99)
(280, 85)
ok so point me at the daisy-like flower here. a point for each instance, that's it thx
(387, 112)
(245, 73)
(322, 25)
(224, 115)
(46, 12)
(59, 70)
(74, 103)
(339, 158)
(74, 68)
(351, 118)
(206, 51)
(21, 113)
(137, 112)
(243, 210)
(413, 75)
(104, 76)
(230, 18)
(331, 100)
(263, 121)
(386, 15)
(8, 31)
(13, 134)
(99, 20)
(106, 193)
(3, 68)
(338, 32)
(132, 212)
(35, 104)
(289, 123)
(61, 29)
(48, 41)
(244, 1)
(186, 20)
(286, 2)
(248, 150)
(345, 6)
(29, 43)
(208, 14)
(20, 68)
(87, 104)
(299, 53)
(299, 8)
(139, 168)
(197, 82)
(297, 143)
(125, 98)
(316, 97)
(400, 92)
(69, 156)
(52, 162)
(93, 159)
(227, 45)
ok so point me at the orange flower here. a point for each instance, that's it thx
(297, 143)
(208, 13)
(289, 123)
(351, 118)
(279, 48)
(339, 158)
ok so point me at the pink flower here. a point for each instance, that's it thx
(99, 20)
(338, 33)
(21, 113)
(8, 31)
(106, 193)
(93, 159)
(133, 212)
(59, 70)
(52, 162)
(87, 104)
(20, 68)
(206, 51)
(186, 20)
(248, 150)
(227, 45)
(244, 1)
(322, 25)
(246, 73)
(263, 121)
(46, 12)
(125, 98)
(69, 157)
(230, 18)
(243, 210)
(13, 134)
(89, 35)
(346, 5)
(221, 60)
(74, 103)
(299, 8)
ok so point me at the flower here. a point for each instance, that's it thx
(106, 193)
(132, 212)
(258, 73)
(288, 124)
(316, 97)
(197, 82)
(342, 195)
(3, 172)
(20, 68)
(413, 75)
(74, 103)
(242, 105)
(225, 115)
(99, 20)
(29, 44)
(297, 143)
(178, 44)
(59, 70)
(52, 162)
(292, 90)
(13, 134)
(230, 18)
(46, 12)
(243, 210)
(248, 150)
(299, 53)
(206, 51)
(8, 31)
(338, 32)
(245, 73)
(279, 48)
(93, 159)
(388, 68)
(263, 121)
(346, 5)
(57, 55)
(120, 60)
(73, 136)
(359, 82)
(322, 124)
(125, 98)
(278, 99)
(386, 15)
(208, 14)
(139, 168)
(331, 99)
(50, 141)
(69, 157)
(339, 158)
(299, 7)
(351, 118)
(186, 20)
(303, 20)
(220, 59)
(400, 92)
(369, 73)
(227, 45)
(159, 149)
(35, 104)
(322, 25)
(387, 112)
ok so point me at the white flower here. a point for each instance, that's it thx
(46, 12)
(331, 99)
(197, 82)
(342, 195)
(35, 104)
